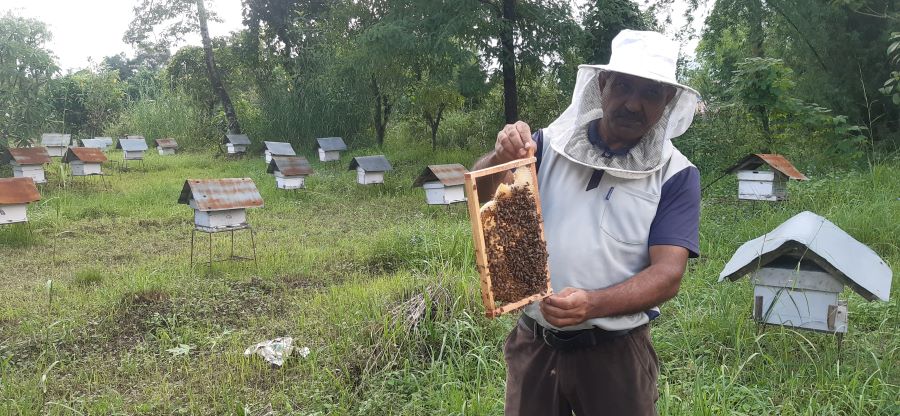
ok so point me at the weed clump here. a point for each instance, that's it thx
(88, 277)
(516, 253)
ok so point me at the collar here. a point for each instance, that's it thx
(596, 140)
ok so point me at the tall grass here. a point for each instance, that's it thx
(171, 114)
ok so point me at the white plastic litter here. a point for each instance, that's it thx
(275, 351)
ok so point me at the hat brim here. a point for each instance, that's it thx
(647, 75)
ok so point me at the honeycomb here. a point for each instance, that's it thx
(516, 253)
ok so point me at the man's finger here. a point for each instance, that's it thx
(556, 312)
(559, 301)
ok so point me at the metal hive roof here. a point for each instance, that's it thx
(290, 166)
(811, 237)
(280, 148)
(18, 191)
(448, 175)
(84, 154)
(377, 163)
(29, 155)
(330, 144)
(167, 143)
(221, 194)
(96, 143)
(56, 139)
(239, 139)
(777, 162)
(132, 144)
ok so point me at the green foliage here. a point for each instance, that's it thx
(891, 87)
(604, 19)
(86, 102)
(26, 66)
(172, 114)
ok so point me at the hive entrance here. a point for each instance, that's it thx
(511, 252)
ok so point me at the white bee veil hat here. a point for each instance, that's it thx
(644, 54)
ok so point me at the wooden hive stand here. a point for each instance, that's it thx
(487, 295)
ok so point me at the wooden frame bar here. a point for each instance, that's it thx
(487, 294)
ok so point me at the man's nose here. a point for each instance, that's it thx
(633, 102)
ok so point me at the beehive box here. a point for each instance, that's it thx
(508, 231)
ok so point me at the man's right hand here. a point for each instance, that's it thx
(513, 142)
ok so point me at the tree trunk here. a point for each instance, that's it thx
(508, 61)
(434, 123)
(233, 126)
(382, 112)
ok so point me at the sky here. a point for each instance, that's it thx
(93, 29)
(85, 30)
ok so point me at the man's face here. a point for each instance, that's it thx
(632, 105)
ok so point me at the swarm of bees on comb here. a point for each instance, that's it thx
(516, 253)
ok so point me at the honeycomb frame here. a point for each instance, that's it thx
(492, 310)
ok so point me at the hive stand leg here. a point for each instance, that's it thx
(232, 245)
(253, 243)
(210, 253)
(193, 232)
(840, 343)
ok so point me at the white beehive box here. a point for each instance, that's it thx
(236, 143)
(84, 161)
(290, 171)
(370, 169)
(133, 147)
(29, 163)
(443, 184)
(799, 269)
(56, 143)
(220, 204)
(278, 149)
(764, 185)
(330, 148)
(166, 147)
(15, 195)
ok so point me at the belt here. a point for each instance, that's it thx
(569, 340)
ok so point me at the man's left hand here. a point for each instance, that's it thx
(569, 307)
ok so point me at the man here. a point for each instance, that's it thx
(621, 213)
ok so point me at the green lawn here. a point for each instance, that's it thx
(342, 268)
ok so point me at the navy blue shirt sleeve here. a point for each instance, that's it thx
(538, 138)
(677, 221)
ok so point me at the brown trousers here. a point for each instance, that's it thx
(616, 377)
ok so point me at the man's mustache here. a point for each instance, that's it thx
(628, 116)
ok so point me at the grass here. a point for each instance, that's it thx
(341, 270)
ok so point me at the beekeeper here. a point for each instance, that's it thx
(621, 210)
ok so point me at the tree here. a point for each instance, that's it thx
(182, 17)
(433, 99)
(604, 19)
(516, 32)
(87, 102)
(26, 66)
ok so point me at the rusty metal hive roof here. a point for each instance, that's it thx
(330, 144)
(448, 175)
(238, 139)
(132, 144)
(18, 191)
(777, 162)
(221, 194)
(167, 143)
(377, 163)
(29, 155)
(290, 166)
(280, 148)
(84, 154)
(56, 139)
